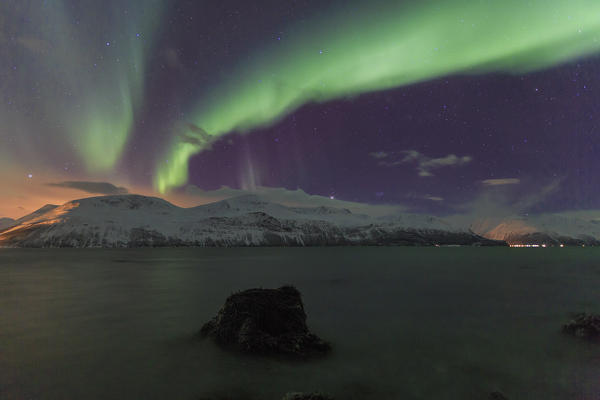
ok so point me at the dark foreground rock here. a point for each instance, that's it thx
(265, 321)
(584, 326)
(497, 396)
(306, 396)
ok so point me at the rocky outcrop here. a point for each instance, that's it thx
(265, 321)
(585, 326)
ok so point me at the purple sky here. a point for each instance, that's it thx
(431, 146)
(539, 128)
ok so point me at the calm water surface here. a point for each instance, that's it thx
(406, 323)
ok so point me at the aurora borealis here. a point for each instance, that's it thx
(385, 45)
(88, 84)
(153, 95)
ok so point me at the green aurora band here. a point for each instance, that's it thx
(88, 80)
(383, 46)
(114, 90)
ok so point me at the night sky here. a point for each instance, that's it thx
(438, 106)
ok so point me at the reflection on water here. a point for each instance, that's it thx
(406, 323)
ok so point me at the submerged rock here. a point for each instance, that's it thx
(306, 396)
(584, 325)
(497, 396)
(265, 321)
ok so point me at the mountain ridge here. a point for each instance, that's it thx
(250, 220)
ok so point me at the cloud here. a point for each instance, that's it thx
(378, 155)
(496, 202)
(294, 198)
(425, 164)
(503, 181)
(534, 198)
(410, 155)
(417, 199)
(433, 198)
(197, 136)
(91, 187)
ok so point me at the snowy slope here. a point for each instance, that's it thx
(252, 203)
(133, 220)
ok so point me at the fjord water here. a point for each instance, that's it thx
(405, 323)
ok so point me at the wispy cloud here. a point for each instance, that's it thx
(496, 202)
(91, 187)
(425, 164)
(378, 155)
(503, 181)
(414, 197)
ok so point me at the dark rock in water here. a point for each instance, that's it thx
(497, 396)
(265, 321)
(306, 396)
(584, 325)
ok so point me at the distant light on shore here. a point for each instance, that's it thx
(537, 245)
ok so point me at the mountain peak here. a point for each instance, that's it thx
(131, 201)
(250, 220)
(250, 199)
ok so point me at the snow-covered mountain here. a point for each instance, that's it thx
(549, 229)
(135, 221)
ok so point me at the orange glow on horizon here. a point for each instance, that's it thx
(21, 194)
